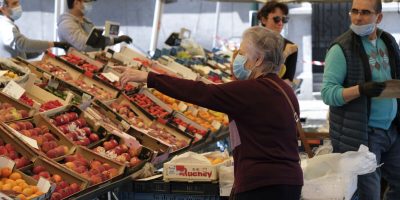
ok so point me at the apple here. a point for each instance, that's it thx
(94, 137)
(38, 169)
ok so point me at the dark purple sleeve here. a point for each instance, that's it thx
(226, 98)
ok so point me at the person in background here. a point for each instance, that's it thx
(12, 42)
(74, 27)
(356, 67)
(273, 15)
(262, 130)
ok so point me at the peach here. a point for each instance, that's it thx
(15, 176)
(38, 169)
(17, 189)
(44, 174)
(5, 172)
(70, 165)
(27, 192)
(57, 178)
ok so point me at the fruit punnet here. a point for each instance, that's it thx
(46, 141)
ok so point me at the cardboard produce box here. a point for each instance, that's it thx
(76, 125)
(27, 187)
(126, 121)
(39, 130)
(125, 149)
(73, 79)
(20, 107)
(190, 167)
(24, 154)
(161, 149)
(83, 59)
(58, 175)
(71, 163)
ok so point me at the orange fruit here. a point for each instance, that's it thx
(18, 181)
(33, 196)
(5, 172)
(6, 187)
(27, 192)
(34, 189)
(11, 182)
(21, 196)
(15, 176)
(17, 189)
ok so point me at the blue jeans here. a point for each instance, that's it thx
(386, 146)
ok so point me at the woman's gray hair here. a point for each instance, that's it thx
(267, 43)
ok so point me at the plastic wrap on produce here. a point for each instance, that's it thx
(14, 72)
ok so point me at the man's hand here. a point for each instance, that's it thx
(62, 45)
(133, 75)
(371, 89)
(123, 38)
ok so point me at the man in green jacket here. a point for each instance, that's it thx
(356, 68)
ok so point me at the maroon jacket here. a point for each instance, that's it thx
(266, 150)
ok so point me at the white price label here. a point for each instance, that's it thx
(3, 72)
(182, 128)
(193, 110)
(86, 97)
(111, 76)
(125, 124)
(53, 83)
(14, 90)
(216, 124)
(6, 162)
(182, 106)
(33, 143)
(44, 185)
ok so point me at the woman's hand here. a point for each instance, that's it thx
(131, 75)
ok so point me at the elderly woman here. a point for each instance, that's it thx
(262, 126)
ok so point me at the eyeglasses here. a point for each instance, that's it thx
(284, 19)
(361, 12)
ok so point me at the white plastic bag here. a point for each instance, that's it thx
(226, 179)
(334, 176)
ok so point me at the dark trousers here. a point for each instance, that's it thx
(275, 192)
(386, 146)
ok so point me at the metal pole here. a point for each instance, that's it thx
(59, 7)
(156, 25)
(217, 13)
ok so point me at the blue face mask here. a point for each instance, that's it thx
(240, 72)
(363, 30)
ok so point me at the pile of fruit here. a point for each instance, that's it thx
(93, 170)
(188, 128)
(50, 105)
(80, 63)
(75, 128)
(46, 141)
(11, 75)
(8, 151)
(56, 71)
(98, 92)
(63, 188)
(147, 104)
(26, 100)
(163, 135)
(125, 111)
(9, 113)
(119, 152)
(116, 84)
(13, 181)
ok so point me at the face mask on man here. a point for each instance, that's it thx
(87, 7)
(16, 13)
(363, 30)
(239, 70)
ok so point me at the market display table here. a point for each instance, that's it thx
(158, 189)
